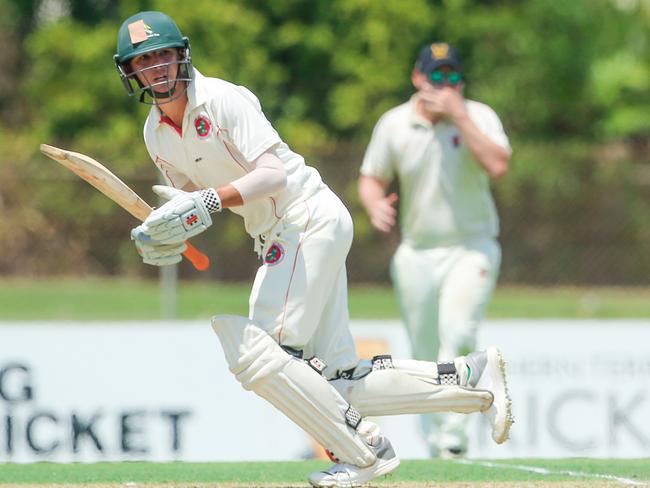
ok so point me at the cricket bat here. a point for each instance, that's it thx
(110, 185)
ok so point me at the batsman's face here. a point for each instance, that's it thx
(156, 68)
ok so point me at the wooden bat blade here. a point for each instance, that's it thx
(101, 178)
(110, 185)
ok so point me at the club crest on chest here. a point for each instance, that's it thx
(202, 126)
(274, 255)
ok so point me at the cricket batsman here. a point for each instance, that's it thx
(215, 148)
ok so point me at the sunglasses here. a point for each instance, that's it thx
(452, 77)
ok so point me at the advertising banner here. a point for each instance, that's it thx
(157, 391)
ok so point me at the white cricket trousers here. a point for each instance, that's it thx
(300, 293)
(443, 293)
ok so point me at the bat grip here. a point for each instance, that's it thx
(199, 260)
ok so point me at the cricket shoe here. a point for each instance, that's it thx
(345, 475)
(491, 369)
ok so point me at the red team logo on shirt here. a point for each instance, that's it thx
(274, 255)
(202, 126)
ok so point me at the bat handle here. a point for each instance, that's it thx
(199, 260)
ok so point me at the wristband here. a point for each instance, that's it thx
(211, 199)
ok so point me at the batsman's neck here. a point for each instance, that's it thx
(175, 109)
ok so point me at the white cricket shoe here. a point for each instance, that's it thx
(347, 475)
(491, 368)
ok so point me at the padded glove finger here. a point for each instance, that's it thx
(153, 252)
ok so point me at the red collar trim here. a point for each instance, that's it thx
(166, 120)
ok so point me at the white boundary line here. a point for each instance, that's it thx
(545, 471)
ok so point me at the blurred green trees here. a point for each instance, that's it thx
(569, 79)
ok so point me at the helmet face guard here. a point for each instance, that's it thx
(146, 32)
(161, 92)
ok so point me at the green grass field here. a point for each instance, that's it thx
(521, 472)
(121, 299)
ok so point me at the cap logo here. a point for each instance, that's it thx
(140, 32)
(439, 51)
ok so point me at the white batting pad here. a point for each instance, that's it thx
(291, 386)
(409, 386)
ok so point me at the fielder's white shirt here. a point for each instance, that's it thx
(445, 196)
(224, 131)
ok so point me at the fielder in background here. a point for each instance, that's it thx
(444, 150)
(216, 149)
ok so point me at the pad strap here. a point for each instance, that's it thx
(296, 353)
(408, 387)
(447, 374)
(316, 364)
(352, 417)
(377, 363)
(384, 361)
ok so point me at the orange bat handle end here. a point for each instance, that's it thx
(199, 260)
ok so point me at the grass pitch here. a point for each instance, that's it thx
(123, 299)
(521, 473)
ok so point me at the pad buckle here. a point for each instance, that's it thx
(316, 364)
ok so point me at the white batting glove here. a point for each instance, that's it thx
(155, 253)
(185, 215)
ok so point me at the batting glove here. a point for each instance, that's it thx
(183, 216)
(153, 252)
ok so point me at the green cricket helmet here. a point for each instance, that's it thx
(146, 32)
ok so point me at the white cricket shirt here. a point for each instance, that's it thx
(445, 196)
(224, 130)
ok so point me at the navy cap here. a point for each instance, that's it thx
(432, 56)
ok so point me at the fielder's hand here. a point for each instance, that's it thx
(383, 214)
(446, 101)
(153, 252)
(183, 216)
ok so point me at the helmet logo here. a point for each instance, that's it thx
(140, 32)
(202, 126)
